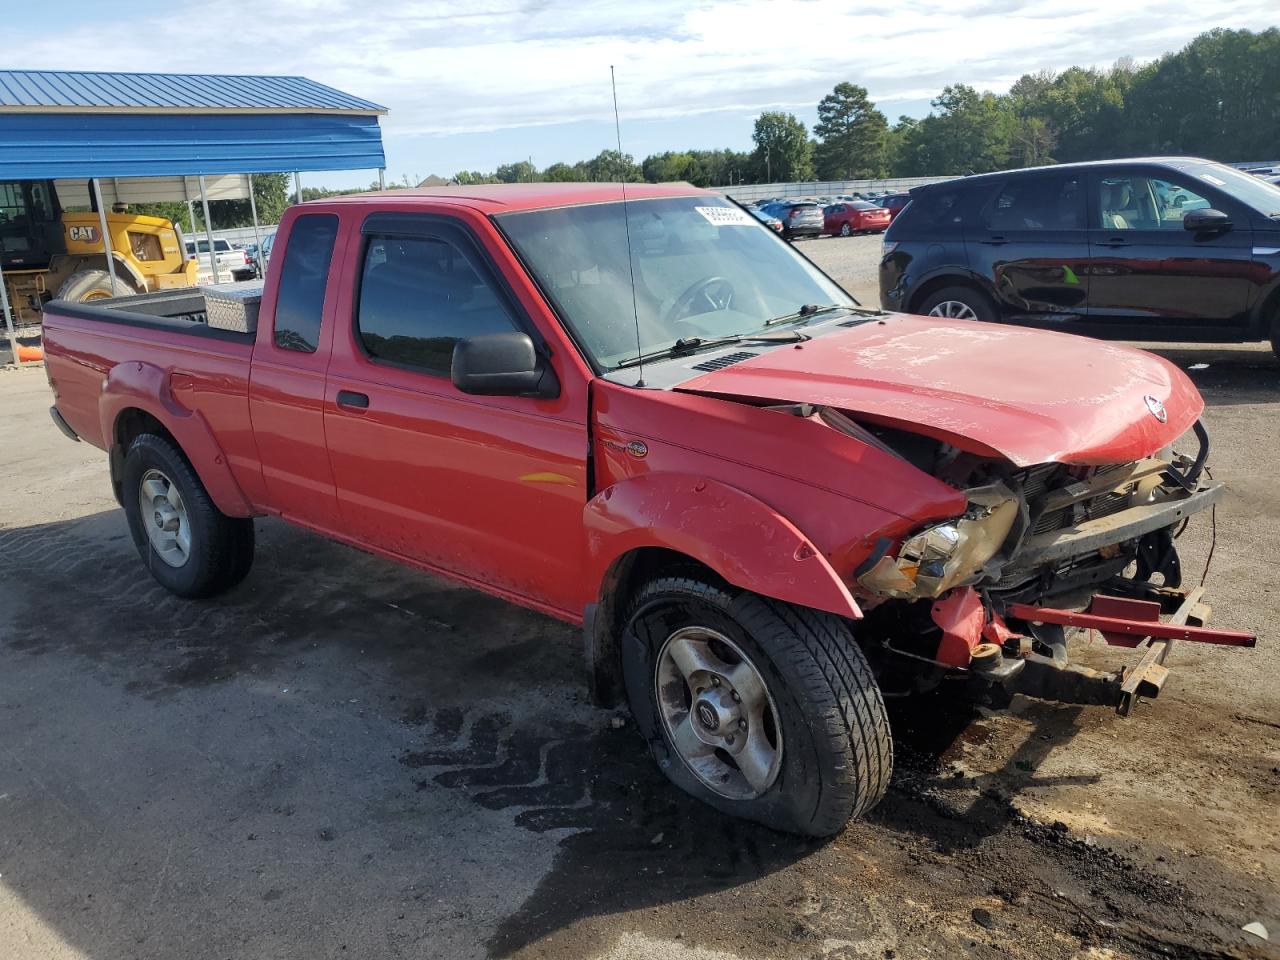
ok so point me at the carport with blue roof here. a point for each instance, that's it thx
(81, 125)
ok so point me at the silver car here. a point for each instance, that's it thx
(800, 218)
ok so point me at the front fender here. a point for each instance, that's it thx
(147, 387)
(741, 538)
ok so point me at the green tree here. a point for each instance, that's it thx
(968, 132)
(522, 171)
(852, 135)
(783, 151)
(611, 166)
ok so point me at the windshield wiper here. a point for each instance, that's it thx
(687, 345)
(804, 313)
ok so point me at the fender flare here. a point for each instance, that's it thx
(949, 272)
(740, 537)
(146, 387)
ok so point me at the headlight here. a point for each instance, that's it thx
(947, 554)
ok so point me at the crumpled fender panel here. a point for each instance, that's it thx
(147, 387)
(740, 537)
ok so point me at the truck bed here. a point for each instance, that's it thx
(101, 353)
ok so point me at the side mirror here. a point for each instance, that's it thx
(1206, 221)
(502, 365)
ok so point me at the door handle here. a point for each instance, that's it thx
(1115, 242)
(994, 241)
(353, 400)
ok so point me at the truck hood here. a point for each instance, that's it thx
(1030, 396)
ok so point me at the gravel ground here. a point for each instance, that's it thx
(854, 262)
(345, 758)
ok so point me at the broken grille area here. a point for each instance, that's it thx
(1058, 499)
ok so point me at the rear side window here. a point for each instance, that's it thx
(300, 300)
(418, 297)
(1038, 203)
(929, 210)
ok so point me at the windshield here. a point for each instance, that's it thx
(1245, 187)
(703, 268)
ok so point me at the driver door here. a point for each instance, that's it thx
(490, 489)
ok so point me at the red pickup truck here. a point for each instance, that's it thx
(767, 505)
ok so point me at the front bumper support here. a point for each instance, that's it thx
(1053, 678)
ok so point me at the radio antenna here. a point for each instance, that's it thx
(626, 220)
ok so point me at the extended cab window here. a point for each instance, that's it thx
(300, 301)
(418, 297)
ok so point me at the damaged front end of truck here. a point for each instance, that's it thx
(987, 597)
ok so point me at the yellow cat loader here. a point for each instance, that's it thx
(47, 253)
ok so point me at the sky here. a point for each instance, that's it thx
(475, 84)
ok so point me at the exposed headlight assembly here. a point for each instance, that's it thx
(947, 554)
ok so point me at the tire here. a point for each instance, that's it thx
(219, 549)
(1275, 336)
(86, 285)
(846, 230)
(958, 302)
(822, 748)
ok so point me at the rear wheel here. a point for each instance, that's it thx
(86, 285)
(763, 710)
(846, 230)
(190, 546)
(958, 302)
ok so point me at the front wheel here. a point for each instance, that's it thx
(190, 546)
(958, 303)
(763, 710)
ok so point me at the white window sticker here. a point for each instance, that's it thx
(1212, 179)
(726, 216)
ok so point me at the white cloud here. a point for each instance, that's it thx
(444, 69)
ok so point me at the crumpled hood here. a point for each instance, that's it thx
(1031, 396)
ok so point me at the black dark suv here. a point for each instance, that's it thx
(1173, 249)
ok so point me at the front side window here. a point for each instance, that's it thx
(702, 268)
(418, 297)
(1038, 203)
(1145, 203)
(300, 300)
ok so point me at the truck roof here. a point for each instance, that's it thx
(510, 197)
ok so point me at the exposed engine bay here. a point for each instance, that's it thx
(990, 593)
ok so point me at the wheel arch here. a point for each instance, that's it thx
(656, 523)
(135, 399)
(947, 278)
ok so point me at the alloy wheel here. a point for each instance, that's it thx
(718, 713)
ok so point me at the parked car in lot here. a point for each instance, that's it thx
(1175, 249)
(895, 203)
(233, 264)
(800, 218)
(768, 219)
(854, 216)
(765, 504)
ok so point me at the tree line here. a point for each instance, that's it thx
(1218, 97)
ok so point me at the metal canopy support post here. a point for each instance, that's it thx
(257, 237)
(297, 187)
(106, 237)
(208, 231)
(382, 178)
(8, 319)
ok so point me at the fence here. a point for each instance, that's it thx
(747, 192)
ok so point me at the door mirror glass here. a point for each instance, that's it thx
(1207, 220)
(502, 365)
